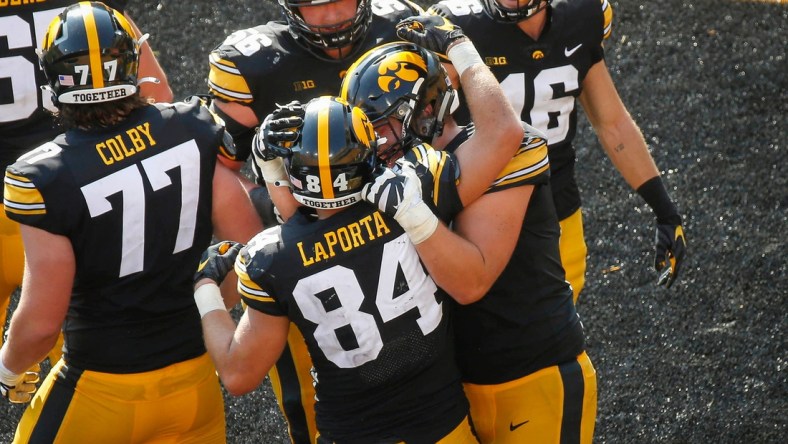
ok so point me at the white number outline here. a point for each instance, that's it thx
(21, 71)
(248, 42)
(129, 182)
(421, 291)
(543, 102)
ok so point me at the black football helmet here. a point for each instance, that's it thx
(524, 10)
(90, 55)
(400, 80)
(317, 37)
(334, 156)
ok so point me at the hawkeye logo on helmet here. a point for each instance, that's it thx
(403, 67)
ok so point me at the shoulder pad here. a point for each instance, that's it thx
(225, 79)
(607, 13)
(252, 263)
(530, 164)
(244, 54)
(21, 195)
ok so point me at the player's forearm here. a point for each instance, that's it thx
(283, 200)
(218, 333)
(29, 341)
(624, 144)
(50, 266)
(150, 67)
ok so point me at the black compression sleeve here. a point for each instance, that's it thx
(656, 196)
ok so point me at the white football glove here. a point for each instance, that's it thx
(18, 388)
(398, 194)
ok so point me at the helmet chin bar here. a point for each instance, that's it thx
(502, 14)
(320, 38)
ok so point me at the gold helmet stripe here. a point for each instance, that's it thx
(124, 23)
(94, 46)
(323, 155)
(49, 37)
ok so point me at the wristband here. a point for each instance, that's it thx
(208, 298)
(656, 196)
(463, 55)
(7, 377)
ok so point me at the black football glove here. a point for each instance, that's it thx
(279, 130)
(272, 142)
(671, 246)
(432, 32)
(21, 388)
(217, 261)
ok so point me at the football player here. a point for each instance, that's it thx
(114, 215)
(25, 114)
(299, 58)
(521, 347)
(547, 54)
(351, 281)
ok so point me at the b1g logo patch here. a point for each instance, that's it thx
(303, 85)
(495, 61)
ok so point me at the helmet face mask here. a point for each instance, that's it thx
(319, 37)
(89, 55)
(334, 156)
(405, 82)
(524, 10)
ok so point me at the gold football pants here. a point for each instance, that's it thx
(180, 403)
(551, 406)
(462, 434)
(573, 252)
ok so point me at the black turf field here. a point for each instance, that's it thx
(706, 80)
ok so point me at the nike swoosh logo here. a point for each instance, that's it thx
(513, 427)
(568, 52)
(202, 265)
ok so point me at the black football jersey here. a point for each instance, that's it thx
(542, 79)
(264, 66)
(135, 200)
(25, 122)
(527, 320)
(376, 325)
